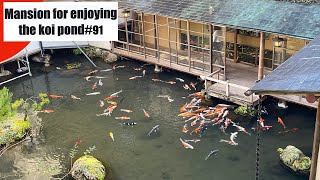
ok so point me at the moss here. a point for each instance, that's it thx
(245, 111)
(13, 129)
(92, 165)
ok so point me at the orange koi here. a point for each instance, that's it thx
(194, 122)
(186, 145)
(47, 111)
(183, 108)
(184, 129)
(113, 103)
(196, 130)
(55, 96)
(123, 118)
(199, 110)
(281, 122)
(109, 98)
(186, 114)
(146, 114)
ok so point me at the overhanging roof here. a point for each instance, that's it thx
(291, 19)
(300, 74)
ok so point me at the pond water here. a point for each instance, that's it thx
(133, 154)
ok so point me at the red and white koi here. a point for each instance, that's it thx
(170, 82)
(146, 114)
(101, 103)
(193, 86)
(47, 111)
(184, 129)
(94, 86)
(186, 145)
(186, 87)
(194, 122)
(241, 129)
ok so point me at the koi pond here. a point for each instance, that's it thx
(133, 154)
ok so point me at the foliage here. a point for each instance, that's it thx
(245, 111)
(92, 166)
(12, 130)
(5, 104)
(88, 151)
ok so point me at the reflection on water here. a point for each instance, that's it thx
(133, 154)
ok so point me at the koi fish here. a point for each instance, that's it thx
(128, 124)
(87, 78)
(203, 129)
(78, 141)
(225, 113)
(123, 118)
(154, 129)
(166, 96)
(266, 127)
(94, 86)
(232, 138)
(116, 93)
(186, 87)
(194, 122)
(113, 103)
(186, 114)
(106, 70)
(156, 80)
(226, 123)
(196, 130)
(199, 110)
(137, 69)
(94, 93)
(100, 77)
(111, 136)
(186, 145)
(289, 131)
(183, 108)
(214, 152)
(192, 140)
(281, 122)
(75, 97)
(193, 85)
(109, 98)
(170, 82)
(55, 96)
(47, 111)
(223, 129)
(143, 73)
(242, 129)
(146, 114)
(103, 114)
(261, 122)
(126, 110)
(198, 95)
(101, 103)
(135, 77)
(179, 79)
(184, 129)
(93, 72)
(116, 67)
(100, 83)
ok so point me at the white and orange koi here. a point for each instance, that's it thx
(75, 97)
(194, 122)
(47, 111)
(186, 145)
(146, 114)
(123, 118)
(94, 86)
(126, 110)
(101, 103)
(184, 129)
(196, 130)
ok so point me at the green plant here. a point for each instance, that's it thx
(245, 111)
(89, 150)
(6, 110)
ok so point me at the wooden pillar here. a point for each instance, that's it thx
(235, 45)
(261, 56)
(202, 46)
(143, 36)
(157, 36)
(176, 33)
(211, 46)
(189, 48)
(315, 150)
(169, 40)
(127, 34)
(225, 55)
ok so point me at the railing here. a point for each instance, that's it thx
(226, 83)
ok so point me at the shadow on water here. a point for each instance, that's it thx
(134, 154)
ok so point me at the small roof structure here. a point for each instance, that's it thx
(300, 74)
(278, 17)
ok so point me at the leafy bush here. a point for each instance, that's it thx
(245, 111)
(6, 110)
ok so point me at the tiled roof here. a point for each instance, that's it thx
(300, 74)
(286, 18)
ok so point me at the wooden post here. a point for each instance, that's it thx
(127, 34)
(175, 30)
(169, 40)
(143, 36)
(227, 88)
(315, 149)
(256, 57)
(235, 45)
(202, 46)
(225, 55)
(211, 46)
(189, 49)
(261, 56)
(157, 36)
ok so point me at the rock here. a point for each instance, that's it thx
(109, 57)
(293, 158)
(13, 129)
(88, 168)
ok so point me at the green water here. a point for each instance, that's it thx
(134, 155)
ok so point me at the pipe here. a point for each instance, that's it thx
(84, 54)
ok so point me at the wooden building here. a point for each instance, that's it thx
(230, 43)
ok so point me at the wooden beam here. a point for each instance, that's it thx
(157, 36)
(127, 34)
(315, 150)
(169, 40)
(143, 36)
(225, 54)
(189, 48)
(211, 46)
(202, 30)
(261, 55)
(235, 45)
(176, 33)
